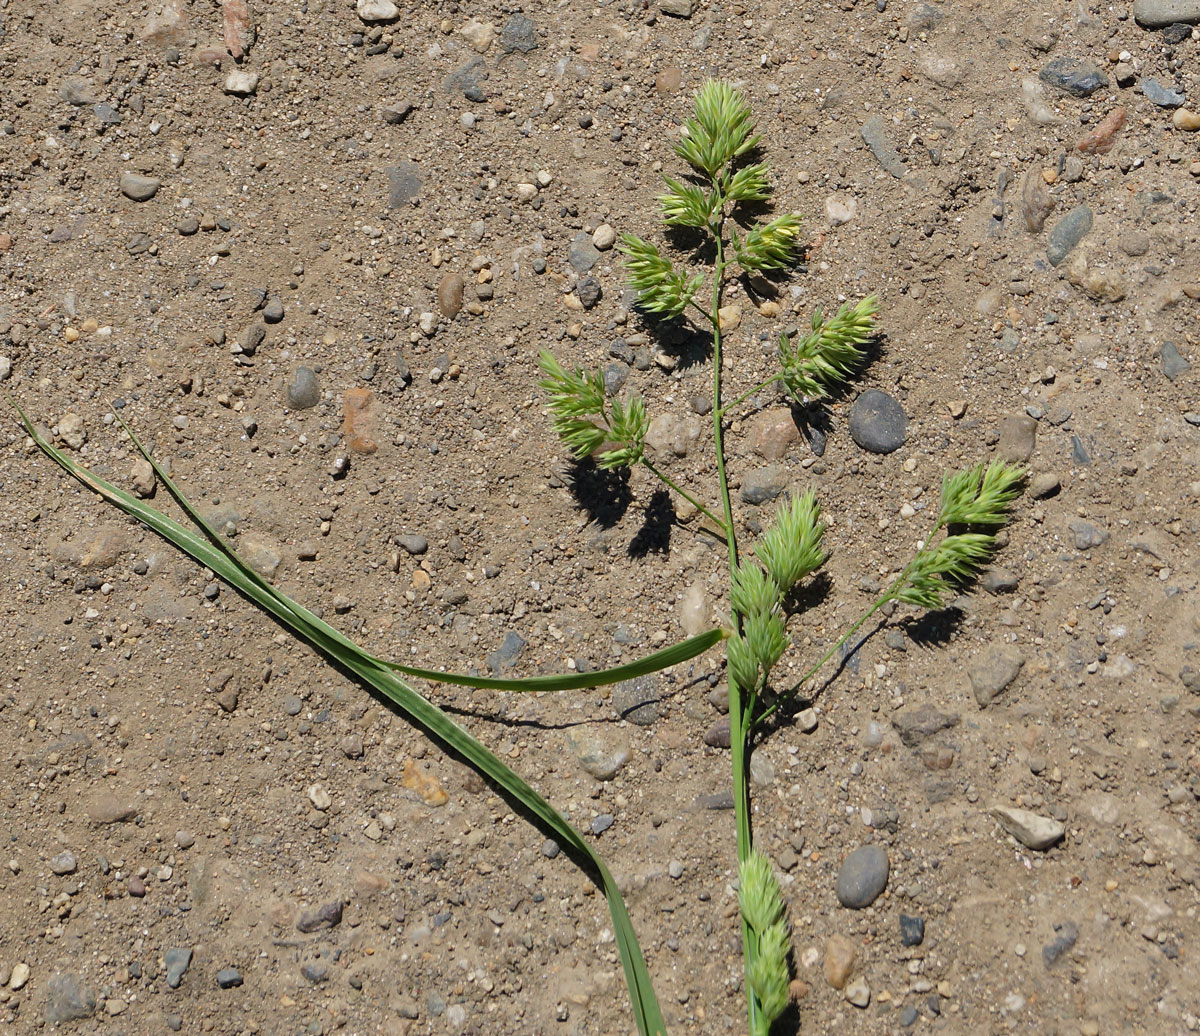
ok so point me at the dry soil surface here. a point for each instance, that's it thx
(317, 279)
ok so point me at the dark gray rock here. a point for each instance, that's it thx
(915, 725)
(1173, 364)
(254, 336)
(615, 376)
(637, 700)
(315, 972)
(1067, 233)
(878, 422)
(1080, 452)
(863, 877)
(404, 184)
(327, 915)
(1066, 937)
(602, 823)
(519, 34)
(228, 978)
(582, 255)
(1074, 77)
(106, 115)
(908, 1016)
(875, 135)
(912, 930)
(764, 484)
(1085, 535)
(302, 390)
(67, 999)
(273, 311)
(413, 543)
(505, 656)
(466, 79)
(992, 674)
(589, 292)
(177, 960)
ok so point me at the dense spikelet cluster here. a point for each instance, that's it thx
(977, 497)
(587, 423)
(830, 352)
(761, 902)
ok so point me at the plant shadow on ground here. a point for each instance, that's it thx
(605, 496)
(602, 494)
(931, 630)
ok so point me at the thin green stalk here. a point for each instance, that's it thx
(739, 706)
(671, 483)
(754, 391)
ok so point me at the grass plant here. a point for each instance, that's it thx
(725, 181)
(720, 146)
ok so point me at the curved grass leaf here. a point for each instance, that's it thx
(419, 711)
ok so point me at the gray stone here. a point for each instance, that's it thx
(1172, 363)
(718, 735)
(302, 390)
(862, 877)
(253, 337)
(1032, 831)
(887, 156)
(64, 863)
(601, 756)
(505, 656)
(228, 978)
(589, 292)
(991, 675)
(139, 188)
(465, 80)
(912, 930)
(1018, 436)
(106, 115)
(602, 823)
(396, 113)
(1157, 14)
(1158, 94)
(273, 311)
(1072, 76)
(582, 255)
(677, 8)
(67, 1000)
(764, 484)
(519, 34)
(858, 992)
(241, 82)
(404, 184)
(177, 960)
(1085, 535)
(1044, 485)
(999, 581)
(915, 725)
(615, 376)
(878, 422)
(1067, 233)
(327, 915)
(1067, 934)
(413, 543)
(637, 700)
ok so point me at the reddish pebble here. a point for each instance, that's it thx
(1100, 141)
(358, 420)
(137, 887)
(5, 241)
(238, 25)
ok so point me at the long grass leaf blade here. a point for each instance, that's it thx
(422, 713)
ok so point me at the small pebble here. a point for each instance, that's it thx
(862, 877)
(878, 422)
(228, 978)
(64, 863)
(139, 188)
